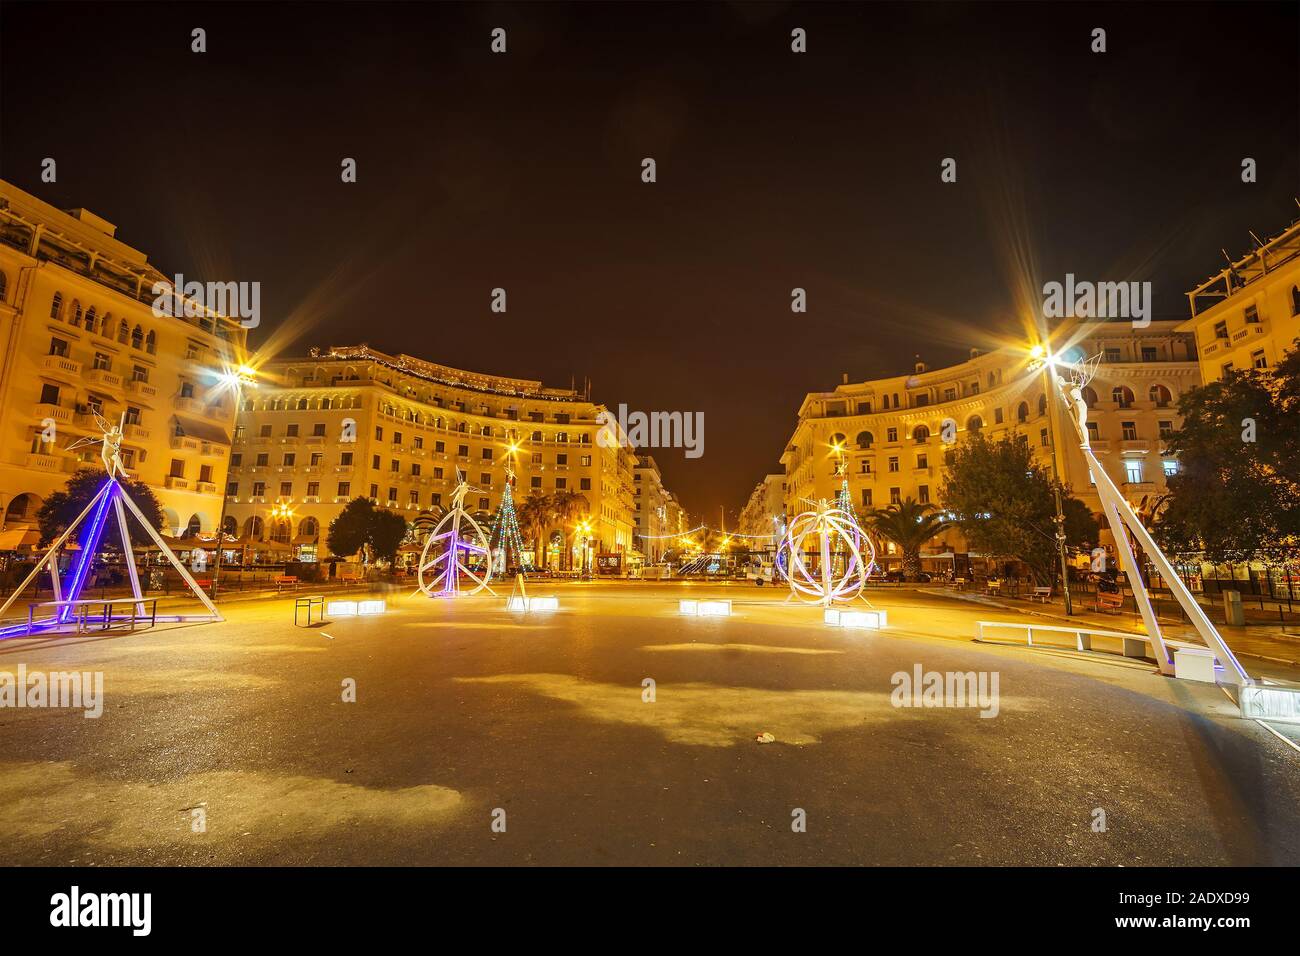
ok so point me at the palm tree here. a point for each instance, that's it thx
(535, 517)
(567, 508)
(909, 524)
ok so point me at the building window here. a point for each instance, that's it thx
(893, 463)
(286, 489)
(1171, 467)
(178, 468)
(1252, 315)
(291, 431)
(866, 497)
(264, 431)
(313, 489)
(1258, 360)
(535, 482)
(1133, 471)
(585, 484)
(259, 489)
(922, 461)
(58, 347)
(891, 435)
(484, 504)
(49, 394)
(345, 489)
(1043, 440)
(102, 362)
(262, 459)
(1149, 353)
(232, 489)
(1227, 371)
(289, 459)
(1130, 432)
(895, 496)
(923, 494)
(1166, 429)
(1113, 355)
(236, 459)
(345, 458)
(997, 416)
(561, 483)
(1220, 330)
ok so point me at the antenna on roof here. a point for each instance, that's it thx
(1259, 243)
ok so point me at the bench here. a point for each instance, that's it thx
(285, 580)
(960, 584)
(993, 587)
(308, 602)
(1108, 602)
(1041, 594)
(1131, 644)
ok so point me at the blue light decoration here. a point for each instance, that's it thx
(90, 539)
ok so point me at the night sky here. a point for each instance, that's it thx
(775, 170)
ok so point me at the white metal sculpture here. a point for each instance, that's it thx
(452, 541)
(1121, 518)
(67, 595)
(833, 532)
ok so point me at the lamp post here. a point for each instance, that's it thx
(235, 379)
(1044, 355)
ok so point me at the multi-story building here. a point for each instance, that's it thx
(764, 512)
(1248, 315)
(79, 336)
(889, 431)
(653, 534)
(352, 422)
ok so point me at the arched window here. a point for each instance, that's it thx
(76, 313)
(1042, 404)
(992, 381)
(193, 527)
(4, 284)
(1160, 396)
(974, 423)
(90, 320)
(137, 337)
(150, 343)
(253, 528)
(1089, 397)
(838, 440)
(1022, 412)
(920, 434)
(123, 332)
(230, 526)
(56, 307)
(865, 439)
(106, 325)
(302, 404)
(1122, 396)
(281, 531)
(308, 528)
(1295, 300)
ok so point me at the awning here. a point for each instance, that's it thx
(17, 538)
(306, 539)
(198, 428)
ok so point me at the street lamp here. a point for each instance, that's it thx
(1043, 354)
(235, 378)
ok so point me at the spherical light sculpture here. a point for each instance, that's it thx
(826, 531)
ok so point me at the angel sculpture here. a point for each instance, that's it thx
(110, 442)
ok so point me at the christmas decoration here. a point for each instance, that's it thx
(66, 606)
(504, 536)
(456, 537)
(829, 529)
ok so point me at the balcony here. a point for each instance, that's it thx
(135, 432)
(210, 449)
(314, 440)
(206, 487)
(1135, 446)
(45, 464)
(177, 483)
(56, 413)
(103, 378)
(184, 443)
(190, 406)
(141, 390)
(60, 366)
(344, 469)
(1100, 446)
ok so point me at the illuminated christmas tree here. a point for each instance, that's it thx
(504, 536)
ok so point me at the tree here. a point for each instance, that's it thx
(909, 525)
(62, 507)
(359, 524)
(1002, 501)
(568, 507)
(535, 518)
(1237, 490)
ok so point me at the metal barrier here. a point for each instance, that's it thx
(308, 602)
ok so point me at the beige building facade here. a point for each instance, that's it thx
(891, 430)
(80, 336)
(1248, 315)
(350, 422)
(765, 510)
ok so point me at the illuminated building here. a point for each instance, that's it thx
(1248, 315)
(891, 430)
(351, 422)
(80, 335)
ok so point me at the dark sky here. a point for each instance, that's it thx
(775, 170)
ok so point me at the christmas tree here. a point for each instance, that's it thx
(504, 536)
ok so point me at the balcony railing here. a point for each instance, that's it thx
(177, 483)
(103, 378)
(61, 366)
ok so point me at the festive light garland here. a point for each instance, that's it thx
(505, 529)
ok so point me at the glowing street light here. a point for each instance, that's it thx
(1042, 354)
